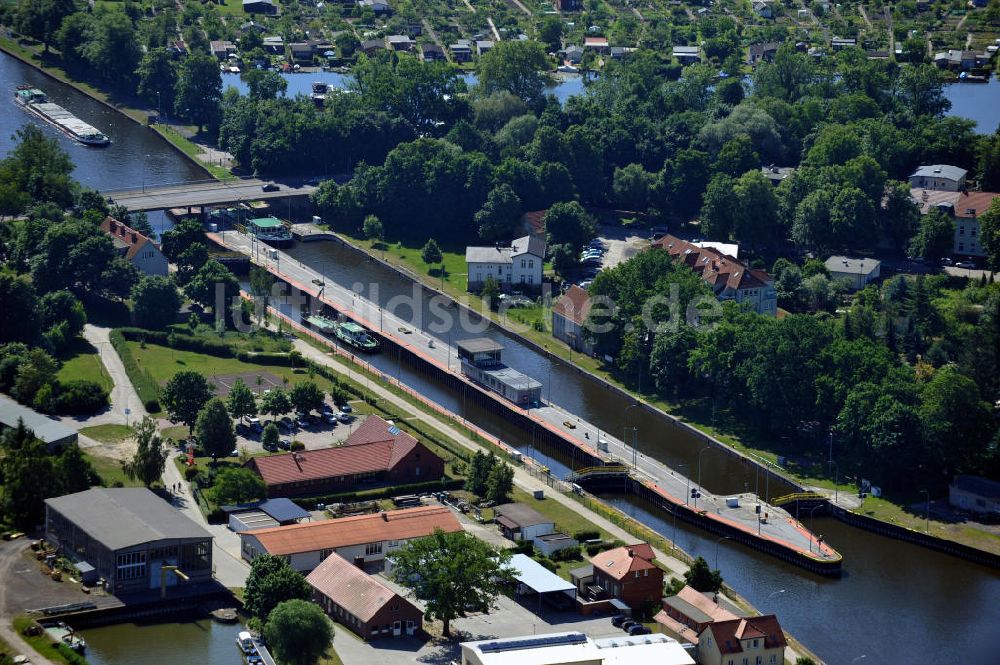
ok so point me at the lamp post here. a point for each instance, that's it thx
(700, 453)
(811, 522)
(624, 429)
(717, 549)
(927, 512)
(687, 477)
(836, 477)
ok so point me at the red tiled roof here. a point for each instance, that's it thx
(621, 561)
(375, 446)
(701, 604)
(595, 41)
(573, 305)
(728, 634)
(350, 587)
(676, 627)
(126, 235)
(721, 271)
(534, 221)
(968, 205)
(403, 524)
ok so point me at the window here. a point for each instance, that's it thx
(755, 644)
(774, 659)
(523, 262)
(531, 263)
(373, 548)
(131, 566)
(760, 661)
(961, 230)
(324, 554)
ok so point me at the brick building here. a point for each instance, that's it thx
(629, 574)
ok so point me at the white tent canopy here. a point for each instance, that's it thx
(535, 576)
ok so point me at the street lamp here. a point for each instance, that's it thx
(700, 453)
(836, 477)
(927, 512)
(717, 549)
(811, 530)
(624, 429)
(687, 491)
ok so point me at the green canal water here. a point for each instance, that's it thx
(203, 642)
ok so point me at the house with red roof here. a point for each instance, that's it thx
(748, 640)
(569, 314)
(138, 249)
(377, 453)
(629, 574)
(686, 614)
(965, 208)
(361, 602)
(729, 278)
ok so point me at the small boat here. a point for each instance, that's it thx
(567, 69)
(356, 336)
(244, 641)
(37, 103)
(319, 92)
(234, 69)
(59, 631)
(322, 324)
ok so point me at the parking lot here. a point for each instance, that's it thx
(613, 245)
(510, 619)
(317, 433)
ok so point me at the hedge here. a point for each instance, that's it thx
(145, 385)
(179, 341)
(382, 492)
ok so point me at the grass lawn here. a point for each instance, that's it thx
(163, 362)
(82, 361)
(110, 470)
(108, 433)
(567, 520)
(44, 646)
(408, 256)
(191, 149)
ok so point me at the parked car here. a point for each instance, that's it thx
(628, 623)
(346, 408)
(235, 453)
(966, 265)
(639, 629)
(242, 429)
(327, 408)
(330, 418)
(270, 447)
(302, 422)
(285, 444)
(286, 421)
(346, 418)
(270, 187)
(618, 619)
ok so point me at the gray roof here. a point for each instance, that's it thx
(984, 487)
(529, 245)
(47, 431)
(940, 171)
(479, 345)
(487, 255)
(281, 509)
(513, 378)
(125, 516)
(851, 265)
(521, 515)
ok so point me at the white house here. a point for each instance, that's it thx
(139, 250)
(975, 494)
(859, 272)
(965, 208)
(569, 314)
(517, 266)
(942, 177)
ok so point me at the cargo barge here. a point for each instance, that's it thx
(37, 103)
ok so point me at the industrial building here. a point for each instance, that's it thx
(50, 432)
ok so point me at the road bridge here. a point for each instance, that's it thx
(205, 193)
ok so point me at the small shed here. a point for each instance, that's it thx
(264, 514)
(551, 543)
(88, 574)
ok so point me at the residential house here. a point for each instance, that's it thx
(596, 44)
(960, 60)
(380, 7)
(133, 538)
(177, 48)
(569, 5)
(965, 208)
(749, 640)
(372, 46)
(399, 43)
(858, 272)
(730, 278)
(137, 249)
(302, 51)
(943, 177)
(520, 522)
(573, 54)
(976, 495)
(431, 52)
(776, 174)
(359, 601)
(840, 43)
(376, 453)
(222, 49)
(51, 432)
(517, 266)
(618, 52)
(461, 51)
(360, 539)
(685, 615)
(763, 52)
(274, 45)
(687, 55)
(569, 314)
(629, 574)
(763, 8)
(483, 46)
(575, 648)
(259, 7)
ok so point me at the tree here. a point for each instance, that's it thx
(935, 236)
(632, 186)
(920, 90)
(515, 67)
(269, 438)
(179, 239)
(299, 632)
(719, 210)
(185, 394)
(199, 90)
(271, 582)
(215, 429)
(62, 306)
(238, 485)
(157, 78)
(989, 235)
(214, 286)
(265, 84)
(240, 400)
(453, 573)
(431, 253)
(275, 402)
(20, 321)
(737, 156)
(40, 19)
(155, 302)
(112, 49)
(29, 479)
(73, 471)
(499, 483)
(479, 471)
(755, 220)
(37, 170)
(372, 228)
(550, 32)
(37, 371)
(490, 291)
(498, 216)
(150, 459)
(701, 578)
(305, 396)
(569, 223)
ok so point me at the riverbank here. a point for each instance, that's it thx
(170, 134)
(696, 417)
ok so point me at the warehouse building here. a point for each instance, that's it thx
(135, 540)
(50, 432)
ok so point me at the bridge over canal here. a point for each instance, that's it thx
(205, 193)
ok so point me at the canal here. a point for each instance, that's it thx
(184, 643)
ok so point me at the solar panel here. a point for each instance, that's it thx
(530, 643)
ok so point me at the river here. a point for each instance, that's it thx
(895, 603)
(183, 643)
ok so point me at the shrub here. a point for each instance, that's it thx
(524, 547)
(298, 445)
(78, 398)
(190, 473)
(146, 387)
(568, 554)
(548, 565)
(586, 534)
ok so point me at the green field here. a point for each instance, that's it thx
(109, 433)
(110, 470)
(82, 362)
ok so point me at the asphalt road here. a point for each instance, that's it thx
(205, 193)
